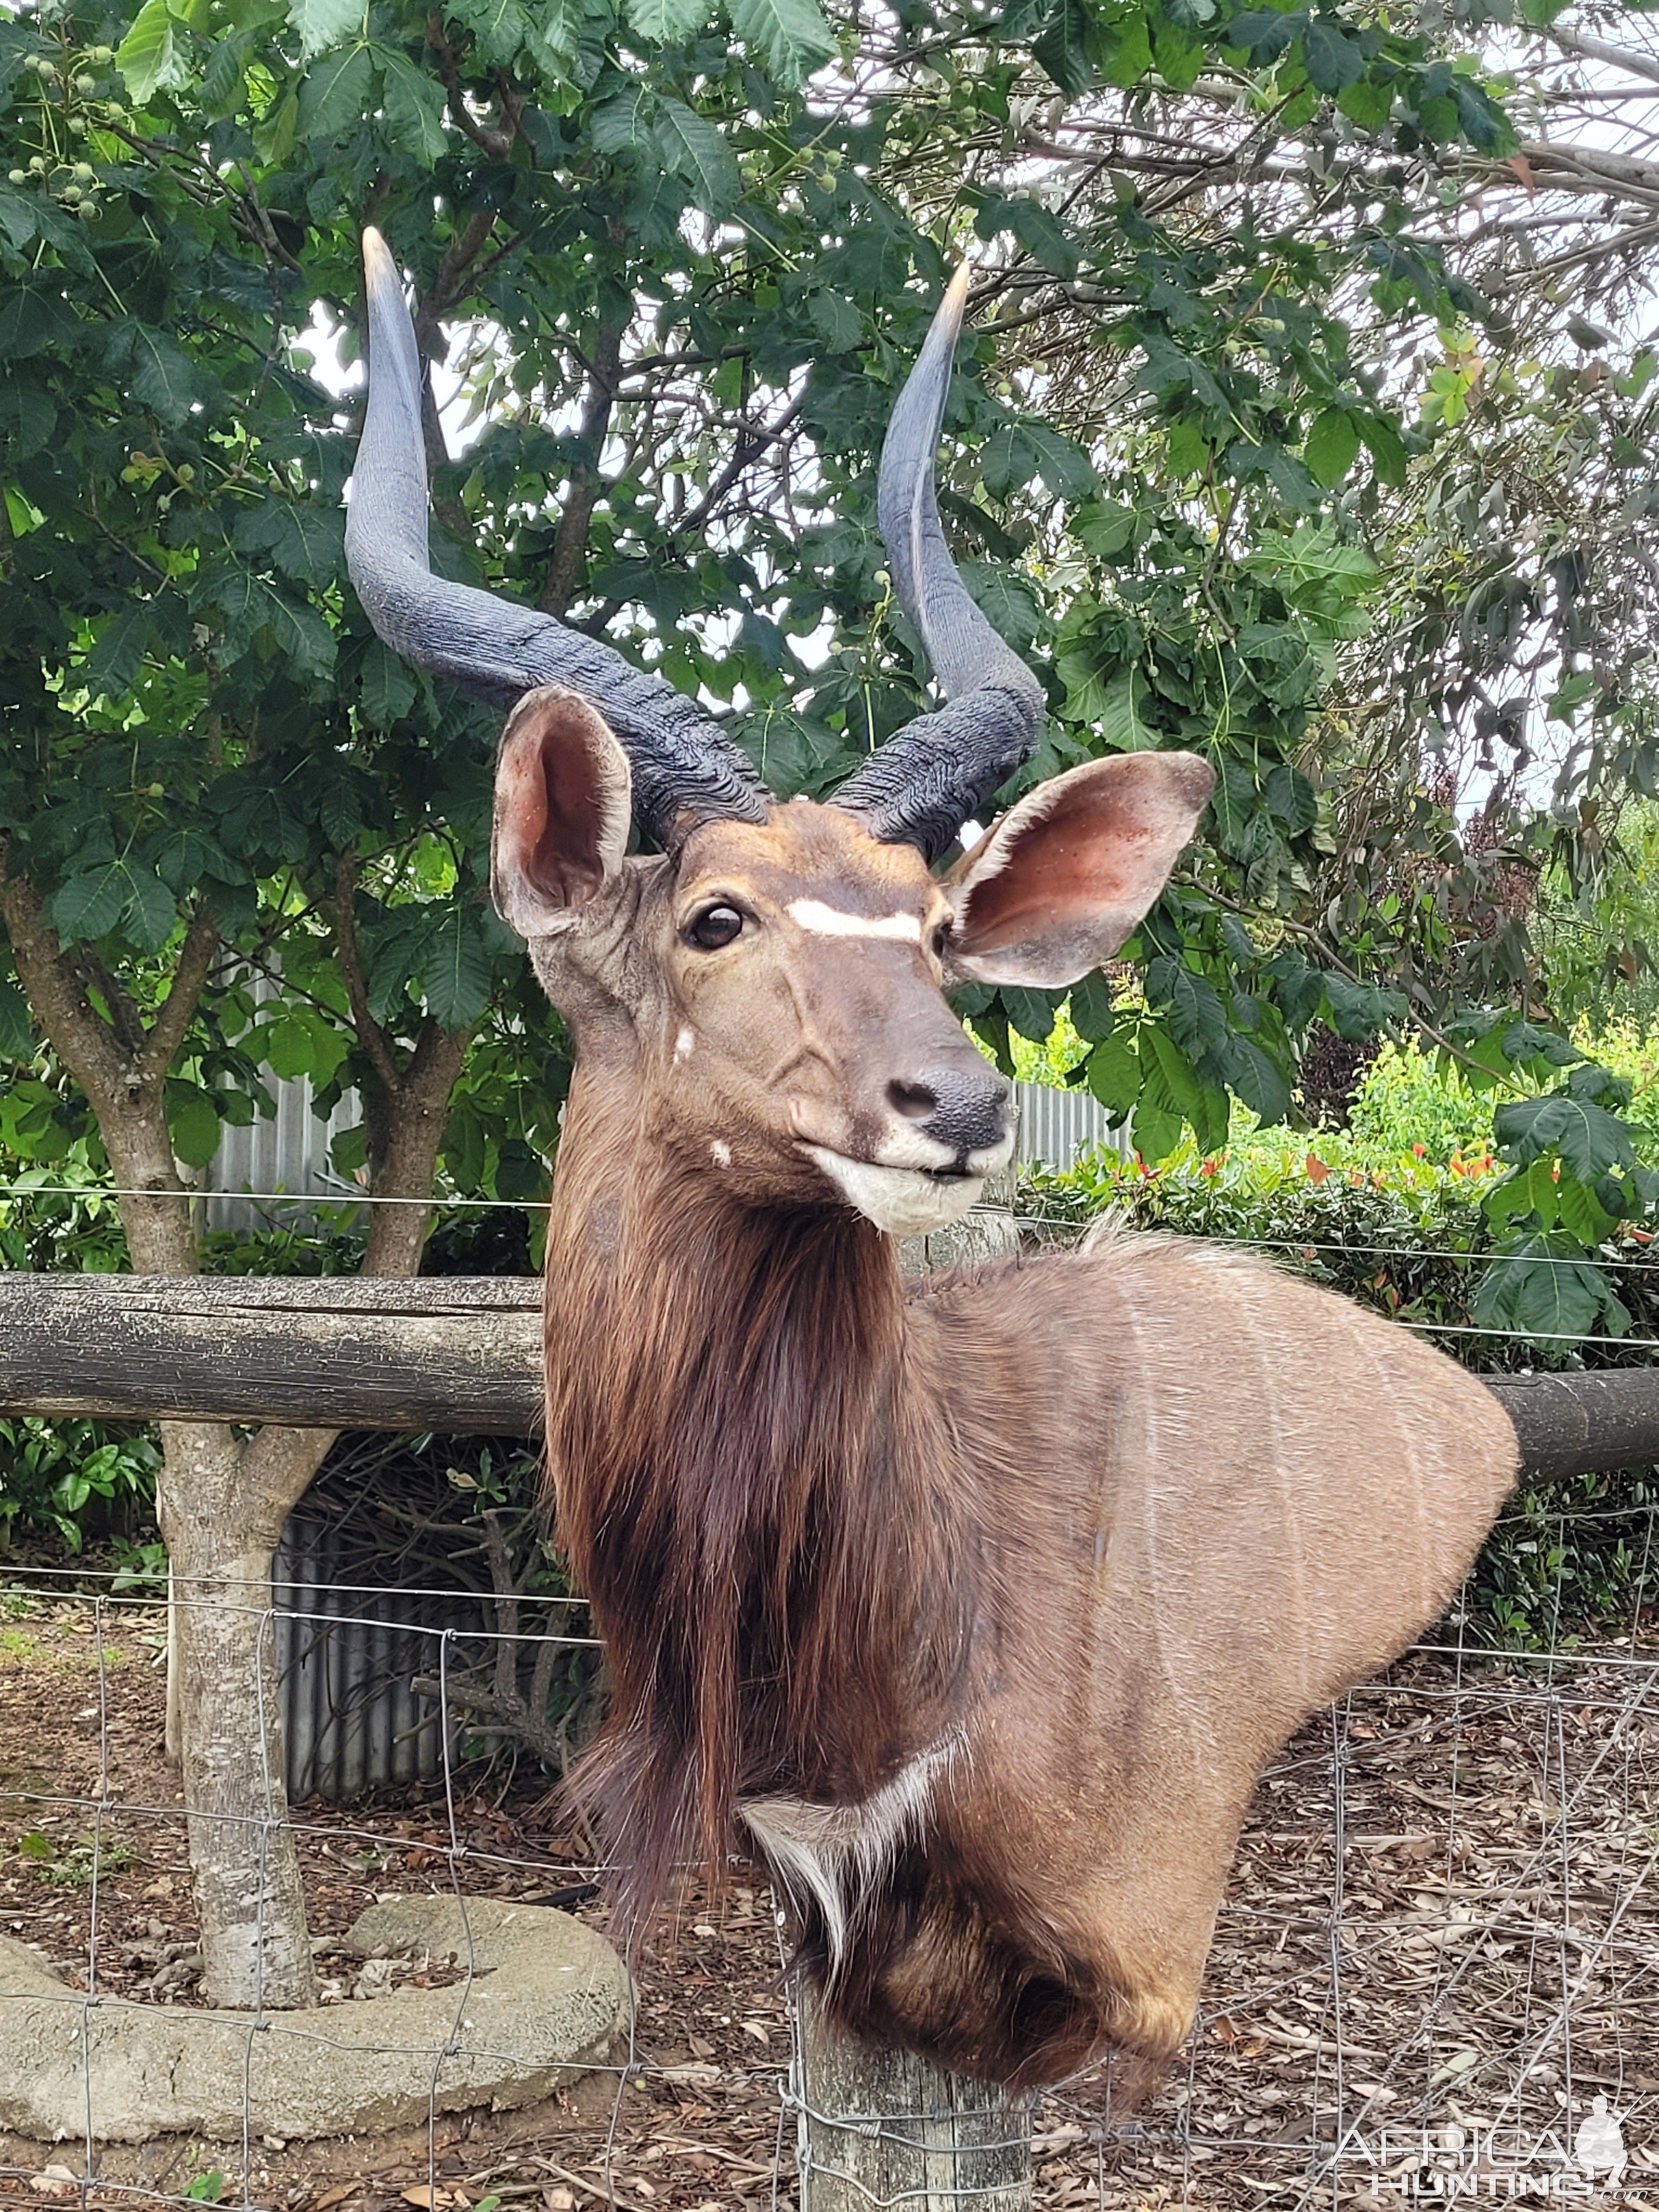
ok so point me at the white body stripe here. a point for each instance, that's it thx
(835, 1854)
(830, 921)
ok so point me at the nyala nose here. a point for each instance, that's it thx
(965, 1108)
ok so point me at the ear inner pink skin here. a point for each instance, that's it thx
(561, 810)
(1067, 873)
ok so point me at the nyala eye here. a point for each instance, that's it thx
(940, 939)
(715, 927)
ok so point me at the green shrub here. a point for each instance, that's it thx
(52, 1471)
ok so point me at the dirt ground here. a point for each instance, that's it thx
(1445, 1914)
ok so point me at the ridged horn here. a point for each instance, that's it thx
(685, 768)
(935, 772)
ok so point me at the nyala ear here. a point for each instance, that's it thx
(563, 799)
(1066, 875)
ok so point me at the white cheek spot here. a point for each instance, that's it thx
(830, 921)
(722, 1151)
(683, 1044)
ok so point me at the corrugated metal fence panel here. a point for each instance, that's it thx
(289, 1153)
(346, 1661)
(1055, 1126)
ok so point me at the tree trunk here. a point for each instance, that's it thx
(220, 1500)
(881, 2127)
(256, 1948)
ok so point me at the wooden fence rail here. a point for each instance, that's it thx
(463, 1354)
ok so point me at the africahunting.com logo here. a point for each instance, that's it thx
(1473, 2162)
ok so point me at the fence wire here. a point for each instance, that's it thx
(1435, 1976)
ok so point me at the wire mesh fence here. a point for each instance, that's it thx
(1435, 1973)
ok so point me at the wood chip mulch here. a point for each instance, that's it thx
(1440, 1944)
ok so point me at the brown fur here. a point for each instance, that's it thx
(822, 1523)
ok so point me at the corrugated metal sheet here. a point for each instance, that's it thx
(346, 1662)
(1055, 1126)
(287, 1154)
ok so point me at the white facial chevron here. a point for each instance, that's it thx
(829, 921)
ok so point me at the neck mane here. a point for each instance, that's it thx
(735, 1416)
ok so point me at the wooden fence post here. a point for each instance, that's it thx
(880, 2128)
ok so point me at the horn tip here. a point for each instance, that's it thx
(377, 255)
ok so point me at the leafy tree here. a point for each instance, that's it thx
(676, 258)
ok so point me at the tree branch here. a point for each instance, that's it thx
(196, 958)
(564, 568)
(370, 1034)
(1603, 50)
(57, 993)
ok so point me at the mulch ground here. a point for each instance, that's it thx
(1444, 1917)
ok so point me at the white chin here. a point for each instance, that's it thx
(904, 1201)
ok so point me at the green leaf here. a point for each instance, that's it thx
(835, 318)
(150, 909)
(622, 124)
(27, 419)
(350, 1151)
(1030, 1013)
(225, 78)
(31, 320)
(1263, 34)
(1387, 449)
(1013, 455)
(148, 57)
(500, 29)
(194, 1125)
(1062, 52)
(1197, 1020)
(555, 35)
(1122, 727)
(1091, 1009)
(155, 370)
(1044, 237)
(113, 666)
(89, 904)
(1589, 1138)
(1367, 102)
(1358, 1010)
(1258, 1083)
(791, 35)
(335, 94)
(389, 687)
(16, 1025)
(1331, 446)
(457, 979)
(1543, 1287)
(693, 150)
(321, 24)
(1131, 58)
(304, 540)
(1006, 599)
(414, 106)
(16, 219)
(1179, 55)
(666, 21)
(1482, 122)
(1114, 1075)
(1333, 59)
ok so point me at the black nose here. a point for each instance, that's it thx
(965, 1108)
